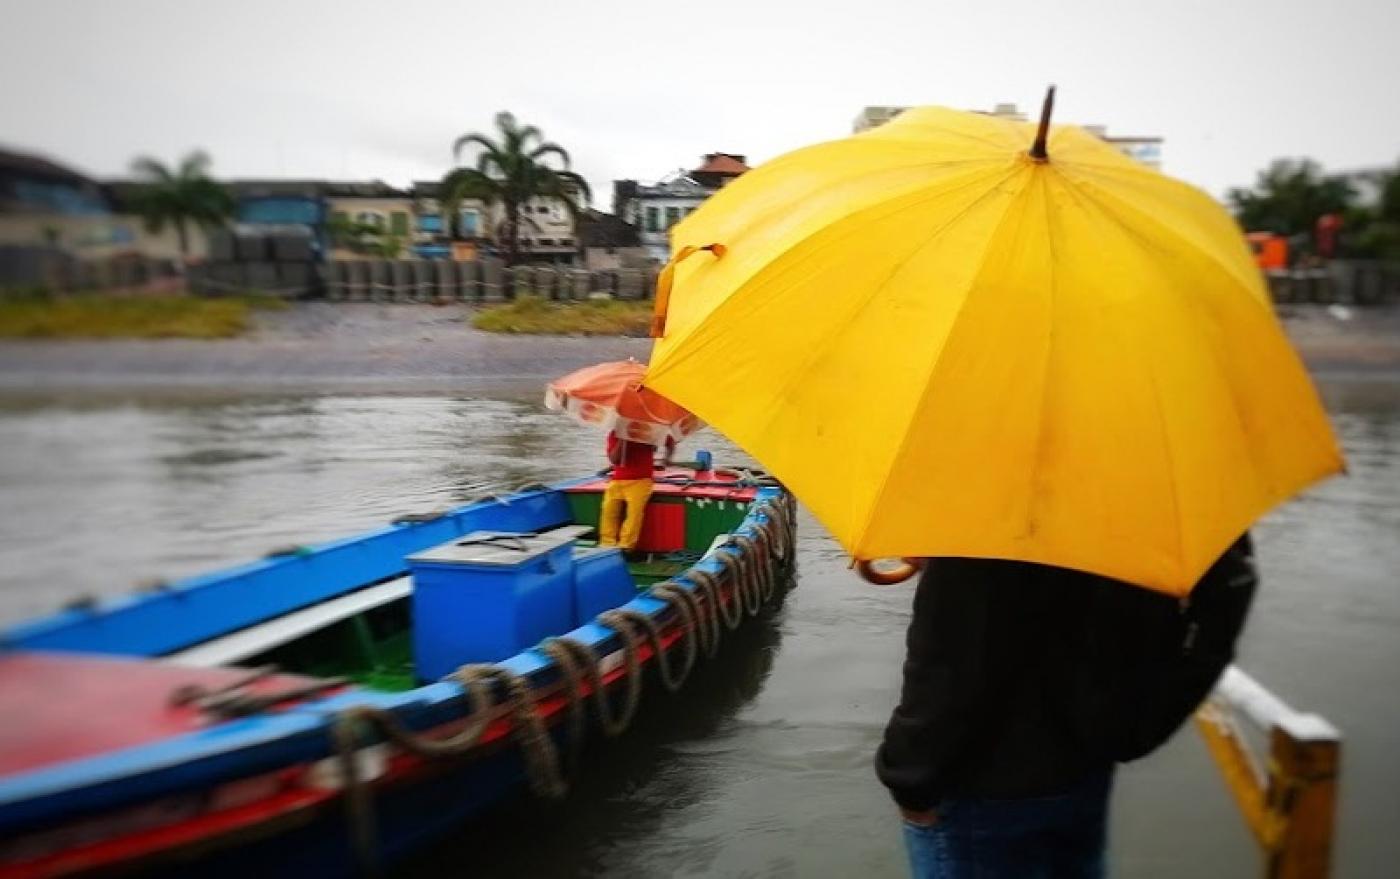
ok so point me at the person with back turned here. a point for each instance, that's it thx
(1024, 685)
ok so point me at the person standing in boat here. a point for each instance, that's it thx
(629, 489)
(1024, 685)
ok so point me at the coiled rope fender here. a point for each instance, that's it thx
(753, 590)
(753, 576)
(643, 622)
(736, 573)
(612, 722)
(706, 624)
(479, 682)
(709, 584)
(761, 572)
(781, 518)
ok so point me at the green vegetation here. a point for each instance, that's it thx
(37, 315)
(1291, 194)
(185, 194)
(534, 316)
(507, 173)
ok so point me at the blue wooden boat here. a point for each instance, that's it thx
(325, 709)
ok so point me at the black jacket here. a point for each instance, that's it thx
(1021, 679)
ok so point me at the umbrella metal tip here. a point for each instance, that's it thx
(1037, 150)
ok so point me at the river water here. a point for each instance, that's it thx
(762, 766)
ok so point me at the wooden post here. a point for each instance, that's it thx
(1303, 793)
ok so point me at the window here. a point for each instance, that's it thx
(546, 242)
(653, 219)
(467, 223)
(673, 216)
(430, 223)
(370, 218)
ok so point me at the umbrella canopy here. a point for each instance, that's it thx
(610, 396)
(948, 343)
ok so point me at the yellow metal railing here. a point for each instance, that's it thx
(1288, 801)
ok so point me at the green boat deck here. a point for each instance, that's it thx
(375, 649)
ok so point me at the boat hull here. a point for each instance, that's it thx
(275, 792)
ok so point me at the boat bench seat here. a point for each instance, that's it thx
(274, 633)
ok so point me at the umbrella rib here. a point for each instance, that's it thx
(711, 338)
(1088, 192)
(778, 209)
(1088, 201)
(933, 369)
(816, 347)
(1049, 352)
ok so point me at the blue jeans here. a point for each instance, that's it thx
(1055, 837)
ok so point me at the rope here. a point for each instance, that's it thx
(569, 671)
(359, 805)
(419, 518)
(709, 583)
(706, 625)
(778, 524)
(669, 679)
(753, 577)
(736, 567)
(478, 680)
(612, 723)
(755, 550)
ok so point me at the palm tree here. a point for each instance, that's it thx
(180, 196)
(508, 171)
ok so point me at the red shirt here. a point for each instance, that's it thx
(637, 458)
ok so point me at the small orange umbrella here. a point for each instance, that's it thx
(611, 396)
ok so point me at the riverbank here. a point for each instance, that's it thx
(320, 347)
(129, 316)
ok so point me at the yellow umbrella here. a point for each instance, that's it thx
(948, 343)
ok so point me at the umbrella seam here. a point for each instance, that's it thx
(1091, 192)
(932, 372)
(1178, 523)
(1087, 199)
(1049, 351)
(709, 339)
(784, 208)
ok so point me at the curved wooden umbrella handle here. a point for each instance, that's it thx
(888, 576)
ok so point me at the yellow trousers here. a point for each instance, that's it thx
(613, 529)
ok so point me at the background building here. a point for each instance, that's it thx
(653, 209)
(546, 230)
(46, 205)
(1147, 150)
(375, 205)
(606, 242)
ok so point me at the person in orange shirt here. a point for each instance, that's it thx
(625, 499)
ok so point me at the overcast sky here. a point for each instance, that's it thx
(360, 90)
